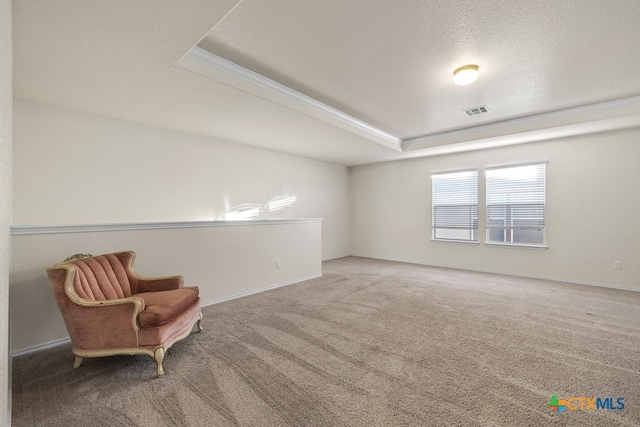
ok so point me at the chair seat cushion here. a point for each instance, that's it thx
(162, 306)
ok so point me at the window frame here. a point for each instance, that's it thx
(473, 224)
(530, 209)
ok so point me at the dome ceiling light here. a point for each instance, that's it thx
(465, 75)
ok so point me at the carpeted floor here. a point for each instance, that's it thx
(371, 343)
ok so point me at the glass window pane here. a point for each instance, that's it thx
(455, 205)
(516, 204)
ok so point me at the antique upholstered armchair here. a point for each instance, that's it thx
(109, 309)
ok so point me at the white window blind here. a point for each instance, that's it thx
(516, 204)
(455, 205)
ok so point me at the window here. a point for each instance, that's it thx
(455, 206)
(516, 204)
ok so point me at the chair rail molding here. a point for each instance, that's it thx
(19, 230)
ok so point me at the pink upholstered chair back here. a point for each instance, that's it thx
(98, 278)
(104, 277)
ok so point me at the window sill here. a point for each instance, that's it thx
(518, 245)
(464, 242)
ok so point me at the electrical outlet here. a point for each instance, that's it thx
(617, 265)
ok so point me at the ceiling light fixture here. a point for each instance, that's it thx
(465, 75)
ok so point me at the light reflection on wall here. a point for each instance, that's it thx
(243, 212)
(281, 201)
(248, 211)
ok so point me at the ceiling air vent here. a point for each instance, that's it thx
(475, 111)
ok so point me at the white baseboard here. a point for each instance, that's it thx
(555, 279)
(40, 347)
(529, 276)
(59, 342)
(257, 291)
(507, 273)
(578, 282)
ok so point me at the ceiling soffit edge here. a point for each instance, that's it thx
(601, 116)
(604, 116)
(283, 95)
(545, 134)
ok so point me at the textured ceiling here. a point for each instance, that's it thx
(547, 69)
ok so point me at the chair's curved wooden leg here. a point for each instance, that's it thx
(77, 362)
(158, 355)
(199, 324)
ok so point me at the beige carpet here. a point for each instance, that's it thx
(371, 343)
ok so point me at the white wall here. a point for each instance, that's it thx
(223, 261)
(72, 167)
(76, 168)
(5, 201)
(593, 211)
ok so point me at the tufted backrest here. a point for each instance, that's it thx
(103, 277)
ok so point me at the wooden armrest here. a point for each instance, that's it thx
(138, 306)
